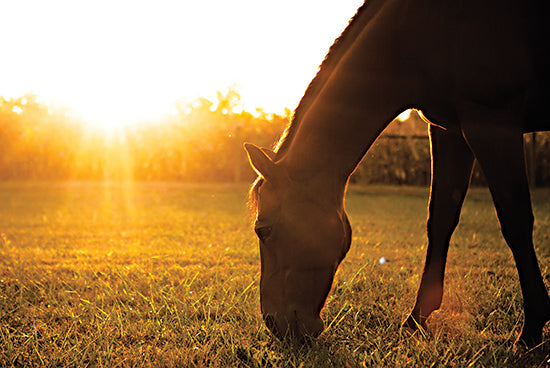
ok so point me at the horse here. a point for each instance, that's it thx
(478, 71)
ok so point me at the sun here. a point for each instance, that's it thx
(118, 107)
(111, 113)
(121, 63)
(106, 119)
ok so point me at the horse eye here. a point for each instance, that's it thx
(263, 232)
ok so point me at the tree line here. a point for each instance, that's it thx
(201, 142)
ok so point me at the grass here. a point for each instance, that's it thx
(166, 275)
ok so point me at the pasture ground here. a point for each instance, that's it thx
(166, 275)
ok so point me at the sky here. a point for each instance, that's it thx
(122, 61)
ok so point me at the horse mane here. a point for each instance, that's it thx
(333, 57)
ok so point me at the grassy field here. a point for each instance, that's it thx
(166, 275)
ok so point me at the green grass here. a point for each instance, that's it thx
(108, 275)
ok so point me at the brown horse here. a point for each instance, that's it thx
(479, 71)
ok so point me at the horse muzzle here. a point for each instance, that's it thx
(294, 326)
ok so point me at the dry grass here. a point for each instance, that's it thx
(166, 275)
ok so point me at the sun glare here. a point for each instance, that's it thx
(118, 63)
(111, 113)
(404, 115)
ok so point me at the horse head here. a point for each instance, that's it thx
(302, 239)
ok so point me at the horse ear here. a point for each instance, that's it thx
(261, 161)
(269, 153)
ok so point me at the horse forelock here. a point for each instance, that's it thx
(334, 55)
(253, 194)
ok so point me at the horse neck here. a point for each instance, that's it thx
(341, 125)
(330, 143)
(365, 87)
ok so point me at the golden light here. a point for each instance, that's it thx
(404, 115)
(118, 63)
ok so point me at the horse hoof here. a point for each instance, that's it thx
(413, 327)
(413, 324)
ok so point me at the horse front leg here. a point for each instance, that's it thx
(452, 163)
(499, 150)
